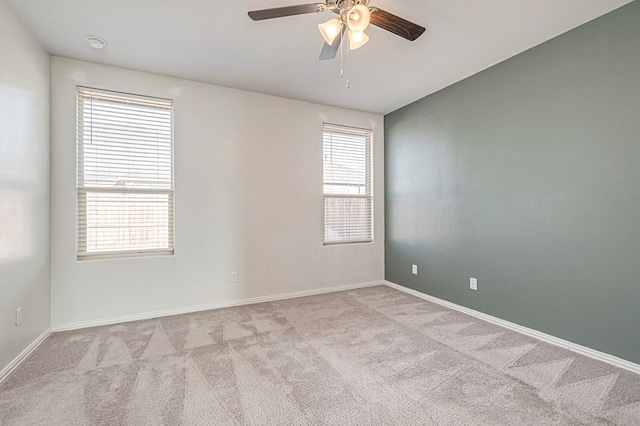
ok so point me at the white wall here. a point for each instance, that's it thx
(248, 179)
(24, 187)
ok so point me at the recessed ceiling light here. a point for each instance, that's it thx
(96, 42)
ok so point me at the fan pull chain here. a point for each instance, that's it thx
(341, 49)
(348, 85)
(343, 42)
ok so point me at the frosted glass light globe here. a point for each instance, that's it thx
(357, 39)
(330, 30)
(358, 18)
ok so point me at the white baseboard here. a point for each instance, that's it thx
(23, 355)
(207, 307)
(574, 347)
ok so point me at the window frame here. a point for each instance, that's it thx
(82, 189)
(369, 158)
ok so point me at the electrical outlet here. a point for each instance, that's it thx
(234, 277)
(414, 269)
(18, 316)
(473, 283)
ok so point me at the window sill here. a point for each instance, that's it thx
(124, 254)
(341, 243)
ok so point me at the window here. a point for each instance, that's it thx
(348, 196)
(124, 174)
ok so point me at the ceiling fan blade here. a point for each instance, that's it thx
(395, 24)
(277, 12)
(329, 50)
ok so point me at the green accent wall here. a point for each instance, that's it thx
(527, 177)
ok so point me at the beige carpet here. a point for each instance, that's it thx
(373, 356)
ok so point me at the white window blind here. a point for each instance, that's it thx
(348, 195)
(124, 174)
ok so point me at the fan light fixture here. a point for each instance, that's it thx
(330, 30)
(357, 20)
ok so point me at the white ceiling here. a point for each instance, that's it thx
(214, 41)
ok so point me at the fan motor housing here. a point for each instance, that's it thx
(339, 6)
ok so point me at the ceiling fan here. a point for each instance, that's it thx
(353, 17)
